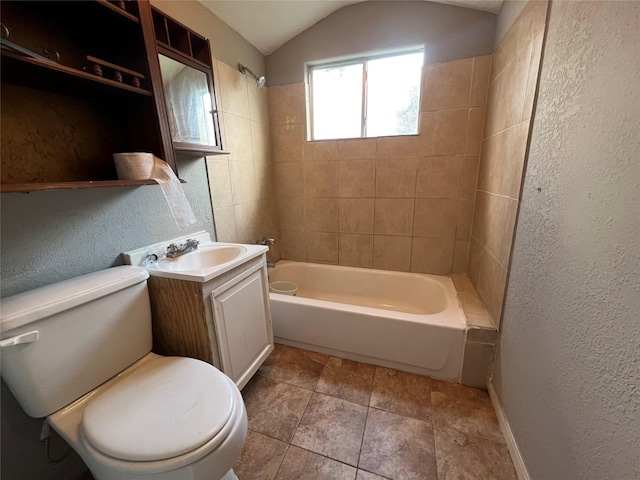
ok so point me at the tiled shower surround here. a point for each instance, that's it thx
(397, 203)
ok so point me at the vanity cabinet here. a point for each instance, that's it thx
(225, 321)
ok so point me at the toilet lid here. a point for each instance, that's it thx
(160, 410)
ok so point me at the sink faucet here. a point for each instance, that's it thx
(174, 250)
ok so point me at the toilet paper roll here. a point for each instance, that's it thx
(145, 166)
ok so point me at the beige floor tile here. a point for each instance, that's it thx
(275, 409)
(402, 393)
(347, 379)
(251, 387)
(464, 409)
(362, 475)
(398, 447)
(261, 457)
(468, 457)
(332, 427)
(299, 367)
(267, 366)
(301, 464)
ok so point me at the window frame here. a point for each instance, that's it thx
(364, 61)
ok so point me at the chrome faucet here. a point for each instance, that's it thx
(266, 241)
(174, 250)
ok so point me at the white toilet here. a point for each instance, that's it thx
(78, 352)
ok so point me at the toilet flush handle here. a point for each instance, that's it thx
(20, 339)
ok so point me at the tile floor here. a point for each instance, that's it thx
(312, 416)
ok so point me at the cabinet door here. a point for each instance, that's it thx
(243, 327)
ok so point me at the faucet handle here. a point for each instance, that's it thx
(173, 248)
(266, 241)
(191, 243)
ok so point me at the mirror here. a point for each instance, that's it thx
(189, 105)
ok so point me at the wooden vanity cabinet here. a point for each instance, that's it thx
(225, 322)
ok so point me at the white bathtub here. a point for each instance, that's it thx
(407, 321)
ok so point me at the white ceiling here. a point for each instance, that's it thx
(268, 24)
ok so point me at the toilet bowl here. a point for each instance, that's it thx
(129, 414)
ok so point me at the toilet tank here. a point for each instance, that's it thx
(87, 330)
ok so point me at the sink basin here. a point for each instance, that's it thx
(201, 259)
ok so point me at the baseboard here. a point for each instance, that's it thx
(512, 445)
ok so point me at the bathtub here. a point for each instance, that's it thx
(407, 321)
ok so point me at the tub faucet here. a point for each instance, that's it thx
(266, 241)
(174, 250)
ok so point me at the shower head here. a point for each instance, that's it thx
(260, 80)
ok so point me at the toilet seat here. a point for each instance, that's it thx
(166, 408)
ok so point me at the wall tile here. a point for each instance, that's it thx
(293, 245)
(491, 286)
(469, 176)
(460, 256)
(225, 223)
(504, 251)
(322, 247)
(357, 178)
(432, 255)
(435, 217)
(233, 88)
(465, 220)
(392, 253)
(476, 252)
(476, 364)
(243, 181)
(532, 76)
(264, 180)
(356, 215)
(219, 181)
(475, 127)
(247, 221)
(291, 213)
(393, 216)
(356, 148)
(258, 104)
(443, 132)
(321, 179)
(289, 179)
(286, 104)
(287, 141)
(261, 142)
(322, 214)
(489, 221)
(356, 250)
(439, 177)
(320, 151)
(446, 85)
(238, 135)
(396, 177)
(404, 146)
(480, 80)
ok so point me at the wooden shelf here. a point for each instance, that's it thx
(118, 10)
(41, 187)
(54, 76)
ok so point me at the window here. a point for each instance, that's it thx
(367, 97)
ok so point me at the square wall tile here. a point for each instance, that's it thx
(489, 220)
(476, 252)
(447, 85)
(261, 138)
(356, 215)
(239, 138)
(435, 217)
(286, 104)
(321, 179)
(356, 250)
(460, 256)
(393, 216)
(465, 220)
(219, 181)
(476, 364)
(322, 247)
(293, 245)
(320, 151)
(491, 286)
(247, 221)
(287, 141)
(258, 104)
(357, 178)
(243, 181)
(264, 180)
(432, 255)
(356, 148)
(532, 77)
(504, 251)
(322, 214)
(480, 80)
(233, 89)
(225, 222)
(396, 177)
(469, 176)
(392, 253)
(443, 132)
(288, 179)
(401, 146)
(439, 177)
(475, 127)
(291, 213)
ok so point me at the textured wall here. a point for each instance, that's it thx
(446, 32)
(396, 203)
(567, 374)
(514, 74)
